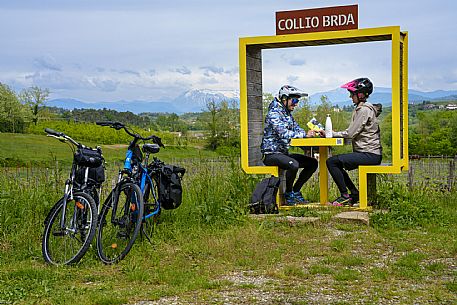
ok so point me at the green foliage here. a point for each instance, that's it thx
(304, 113)
(401, 208)
(433, 132)
(208, 241)
(222, 124)
(217, 195)
(386, 133)
(145, 121)
(100, 135)
(171, 122)
(38, 150)
(34, 97)
(13, 114)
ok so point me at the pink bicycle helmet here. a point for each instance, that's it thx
(360, 85)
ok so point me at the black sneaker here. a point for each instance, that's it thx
(355, 198)
(342, 201)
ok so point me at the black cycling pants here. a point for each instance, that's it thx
(337, 166)
(291, 163)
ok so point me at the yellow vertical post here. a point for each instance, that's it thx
(396, 98)
(243, 106)
(405, 101)
(323, 175)
(363, 188)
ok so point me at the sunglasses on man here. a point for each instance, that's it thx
(295, 101)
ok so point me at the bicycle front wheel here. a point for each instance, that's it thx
(68, 244)
(119, 222)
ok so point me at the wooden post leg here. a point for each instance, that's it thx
(371, 188)
(282, 187)
(323, 175)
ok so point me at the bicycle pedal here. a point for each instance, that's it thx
(59, 233)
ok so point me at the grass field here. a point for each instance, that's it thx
(23, 149)
(209, 251)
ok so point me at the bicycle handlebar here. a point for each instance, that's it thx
(53, 132)
(60, 135)
(119, 125)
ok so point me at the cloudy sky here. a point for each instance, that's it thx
(108, 50)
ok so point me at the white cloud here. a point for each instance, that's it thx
(208, 70)
(108, 85)
(47, 62)
(106, 48)
(183, 70)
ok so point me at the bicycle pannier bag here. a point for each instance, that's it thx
(263, 200)
(96, 175)
(88, 157)
(170, 189)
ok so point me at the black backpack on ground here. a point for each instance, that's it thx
(170, 189)
(263, 200)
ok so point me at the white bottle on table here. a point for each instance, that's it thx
(328, 127)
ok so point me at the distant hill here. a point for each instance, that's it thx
(133, 106)
(384, 96)
(190, 101)
(195, 100)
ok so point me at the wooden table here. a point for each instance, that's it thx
(324, 144)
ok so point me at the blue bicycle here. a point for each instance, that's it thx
(134, 199)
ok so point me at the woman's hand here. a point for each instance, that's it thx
(310, 133)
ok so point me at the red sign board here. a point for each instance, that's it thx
(317, 20)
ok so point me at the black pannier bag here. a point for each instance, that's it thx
(170, 188)
(92, 159)
(263, 200)
(88, 157)
(96, 175)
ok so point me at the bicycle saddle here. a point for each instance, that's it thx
(151, 148)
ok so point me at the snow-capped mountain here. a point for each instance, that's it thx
(196, 100)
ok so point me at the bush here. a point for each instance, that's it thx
(402, 208)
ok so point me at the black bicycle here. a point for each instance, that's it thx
(71, 224)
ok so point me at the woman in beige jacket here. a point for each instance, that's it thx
(366, 141)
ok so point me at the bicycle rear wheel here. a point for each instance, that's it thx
(64, 246)
(119, 222)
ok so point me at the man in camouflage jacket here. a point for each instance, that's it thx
(280, 128)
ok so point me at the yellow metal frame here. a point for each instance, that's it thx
(399, 97)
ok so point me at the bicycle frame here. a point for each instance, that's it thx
(144, 177)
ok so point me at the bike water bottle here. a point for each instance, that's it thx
(128, 160)
(328, 127)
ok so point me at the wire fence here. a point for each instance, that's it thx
(426, 172)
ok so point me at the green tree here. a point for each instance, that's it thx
(302, 113)
(13, 114)
(266, 100)
(434, 133)
(222, 123)
(34, 97)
